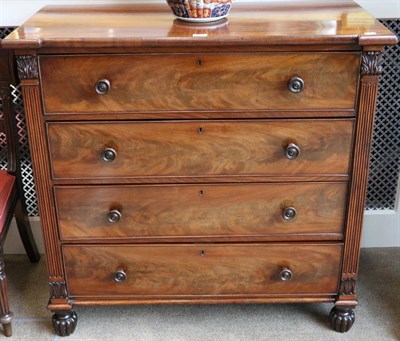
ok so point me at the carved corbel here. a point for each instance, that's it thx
(371, 63)
(27, 67)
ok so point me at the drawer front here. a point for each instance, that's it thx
(208, 269)
(140, 149)
(174, 82)
(200, 210)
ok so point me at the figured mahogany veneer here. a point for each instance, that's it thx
(200, 210)
(202, 269)
(246, 139)
(199, 81)
(199, 148)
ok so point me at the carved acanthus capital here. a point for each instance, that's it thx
(58, 290)
(27, 66)
(348, 286)
(371, 63)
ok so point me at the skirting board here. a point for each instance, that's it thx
(13, 243)
(381, 229)
(378, 232)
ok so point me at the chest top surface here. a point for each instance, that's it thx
(274, 23)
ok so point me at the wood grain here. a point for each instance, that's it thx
(358, 188)
(41, 167)
(208, 179)
(200, 210)
(268, 23)
(260, 299)
(7, 70)
(195, 115)
(241, 81)
(6, 314)
(171, 270)
(212, 113)
(178, 149)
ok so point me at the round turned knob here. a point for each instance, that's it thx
(296, 85)
(108, 154)
(285, 274)
(289, 213)
(120, 276)
(292, 151)
(114, 216)
(103, 86)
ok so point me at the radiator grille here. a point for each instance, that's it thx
(385, 154)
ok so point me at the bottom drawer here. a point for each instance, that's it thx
(202, 269)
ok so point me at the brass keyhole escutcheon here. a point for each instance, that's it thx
(200, 130)
(201, 193)
(200, 63)
(202, 253)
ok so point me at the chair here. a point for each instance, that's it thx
(11, 188)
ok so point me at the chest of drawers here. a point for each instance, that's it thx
(221, 163)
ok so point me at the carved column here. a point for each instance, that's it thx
(342, 316)
(28, 72)
(371, 68)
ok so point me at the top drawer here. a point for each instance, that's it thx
(201, 82)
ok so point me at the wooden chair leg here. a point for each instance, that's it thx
(5, 313)
(25, 231)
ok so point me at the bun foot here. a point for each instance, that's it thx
(342, 318)
(64, 323)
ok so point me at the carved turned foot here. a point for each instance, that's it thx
(342, 318)
(64, 322)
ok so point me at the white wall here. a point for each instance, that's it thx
(15, 12)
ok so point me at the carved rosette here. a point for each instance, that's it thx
(348, 286)
(342, 318)
(58, 290)
(64, 323)
(27, 66)
(371, 63)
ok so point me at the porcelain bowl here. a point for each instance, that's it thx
(200, 10)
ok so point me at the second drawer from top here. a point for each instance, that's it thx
(93, 150)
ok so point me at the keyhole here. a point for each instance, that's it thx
(199, 63)
(200, 130)
(202, 253)
(201, 193)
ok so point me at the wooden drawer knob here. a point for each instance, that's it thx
(285, 274)
(103, 86)
(296, 85)
(289, 213)
(292, 151)
(108, 155)
(120, 276)
(114, 216)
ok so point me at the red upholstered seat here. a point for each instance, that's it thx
(7, 183)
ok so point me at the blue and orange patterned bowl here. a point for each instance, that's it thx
(200, 10)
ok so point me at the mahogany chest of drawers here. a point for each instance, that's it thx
(213, 163)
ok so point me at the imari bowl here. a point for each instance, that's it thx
(200, 10)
